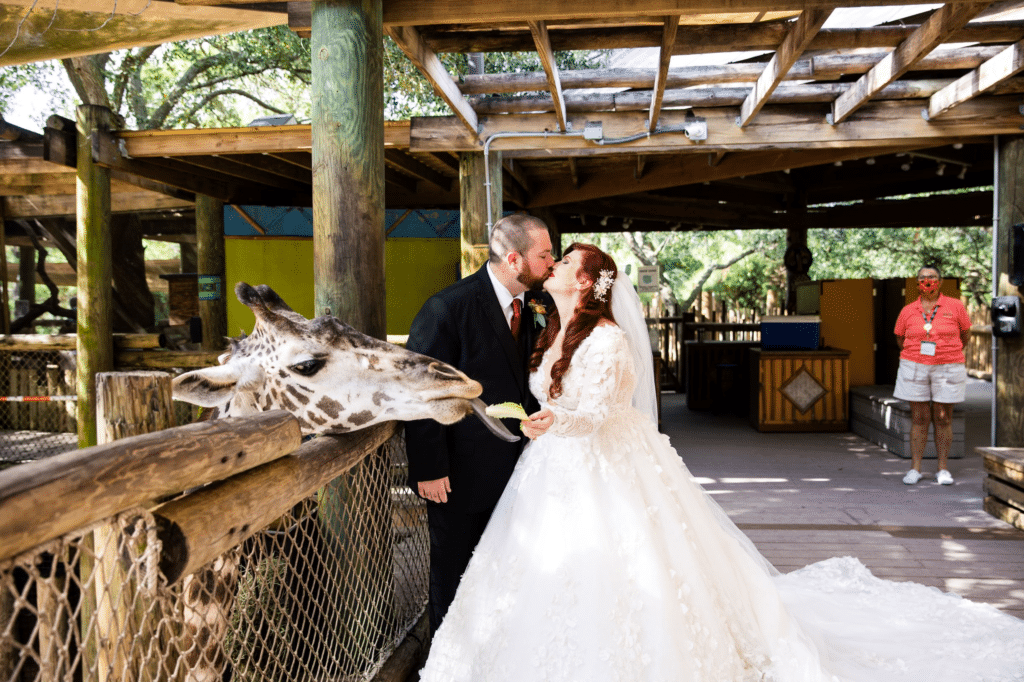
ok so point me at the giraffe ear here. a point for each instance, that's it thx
(208, 387)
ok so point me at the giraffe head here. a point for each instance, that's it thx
(333, 378)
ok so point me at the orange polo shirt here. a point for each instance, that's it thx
(950, 320)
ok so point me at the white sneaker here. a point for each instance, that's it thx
(913, 476)
(944, 477)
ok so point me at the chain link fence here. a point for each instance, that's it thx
(37, 404)
(325, 592)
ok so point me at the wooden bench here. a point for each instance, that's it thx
(1004, 484)
(885, 421)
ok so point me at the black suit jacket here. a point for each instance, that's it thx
(464, 326)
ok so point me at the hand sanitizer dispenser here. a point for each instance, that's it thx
(1006, 316)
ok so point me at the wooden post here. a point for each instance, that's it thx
(213, 309)
(27, 274)
(348, 162)
(5, 319)
(188, 258)
(348, 276)
(473, 206)
(1009, 385)
(127, 404)
(95, 294)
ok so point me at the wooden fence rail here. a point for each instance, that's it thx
(134, 584)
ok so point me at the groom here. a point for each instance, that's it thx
(461, 470)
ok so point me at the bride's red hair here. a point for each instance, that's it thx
(588, 313)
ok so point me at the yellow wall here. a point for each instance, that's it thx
(414, 270)
(848, 322)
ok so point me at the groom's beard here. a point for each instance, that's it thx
(531, 282)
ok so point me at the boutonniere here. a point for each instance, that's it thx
(539, 313)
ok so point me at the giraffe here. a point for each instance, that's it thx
(334, 379)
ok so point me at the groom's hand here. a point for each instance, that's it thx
(435, 491)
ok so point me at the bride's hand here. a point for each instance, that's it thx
(538, 424)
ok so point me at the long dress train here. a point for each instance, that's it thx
(604, 561)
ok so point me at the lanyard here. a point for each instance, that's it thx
(928, 321)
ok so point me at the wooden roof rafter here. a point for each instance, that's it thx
(542, 44)
(996, 70)
(668, 39)
(943, 23)
(799, 37)
(427, 61)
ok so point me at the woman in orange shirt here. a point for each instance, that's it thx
(931, 333)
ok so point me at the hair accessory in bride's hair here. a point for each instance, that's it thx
(603, 284)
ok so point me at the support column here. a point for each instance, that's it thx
(473, 206)
(95, 293)
(5, 318)
(348, 274)
(1009, 203)
(798, 261)
(27, 274)
(348, 162)
(188, 258)
(210, 262)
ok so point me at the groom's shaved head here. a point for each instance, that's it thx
(513, 233)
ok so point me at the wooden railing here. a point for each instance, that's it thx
(674, 332)
(142, 527)
(978, 352)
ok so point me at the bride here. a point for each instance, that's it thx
(604, 561)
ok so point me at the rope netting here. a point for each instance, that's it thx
(327, 591)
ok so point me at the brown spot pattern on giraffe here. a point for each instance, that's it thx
(329, 406)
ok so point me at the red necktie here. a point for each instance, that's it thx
(517, 317)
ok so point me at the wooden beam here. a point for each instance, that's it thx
(668, 40)
(210, 141)
(95, 274)
(408, 164)
(825, 67)
(418, 13)
(799, 37)
(189, 177)
(408, 38)
(715, 158)
(692, 169)
(515, 171)
(211, 263)
(945, 21)
(703, 39)
(641, 165)
(890, 123)
(44, 206)
(574, 172)
(227, 166)
(1003, 66)
(94, 26)
(547, 58)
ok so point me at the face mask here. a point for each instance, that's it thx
(929, 286)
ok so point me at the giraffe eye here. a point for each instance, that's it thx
(308, 368)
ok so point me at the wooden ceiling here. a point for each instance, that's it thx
(821, 128)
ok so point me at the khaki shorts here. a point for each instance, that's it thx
(938, 383)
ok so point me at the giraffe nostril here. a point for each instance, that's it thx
(445, 371)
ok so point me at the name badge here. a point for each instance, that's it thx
(927, 348)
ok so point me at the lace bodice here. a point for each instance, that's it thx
(598, 385)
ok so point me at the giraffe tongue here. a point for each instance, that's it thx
(492, 424)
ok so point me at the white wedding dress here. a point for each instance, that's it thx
(604, 561)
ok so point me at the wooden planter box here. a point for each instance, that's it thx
(1004, 484)
(806, 390)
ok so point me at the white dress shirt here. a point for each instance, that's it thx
(504, 296)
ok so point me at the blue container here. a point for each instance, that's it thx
(793, 332)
